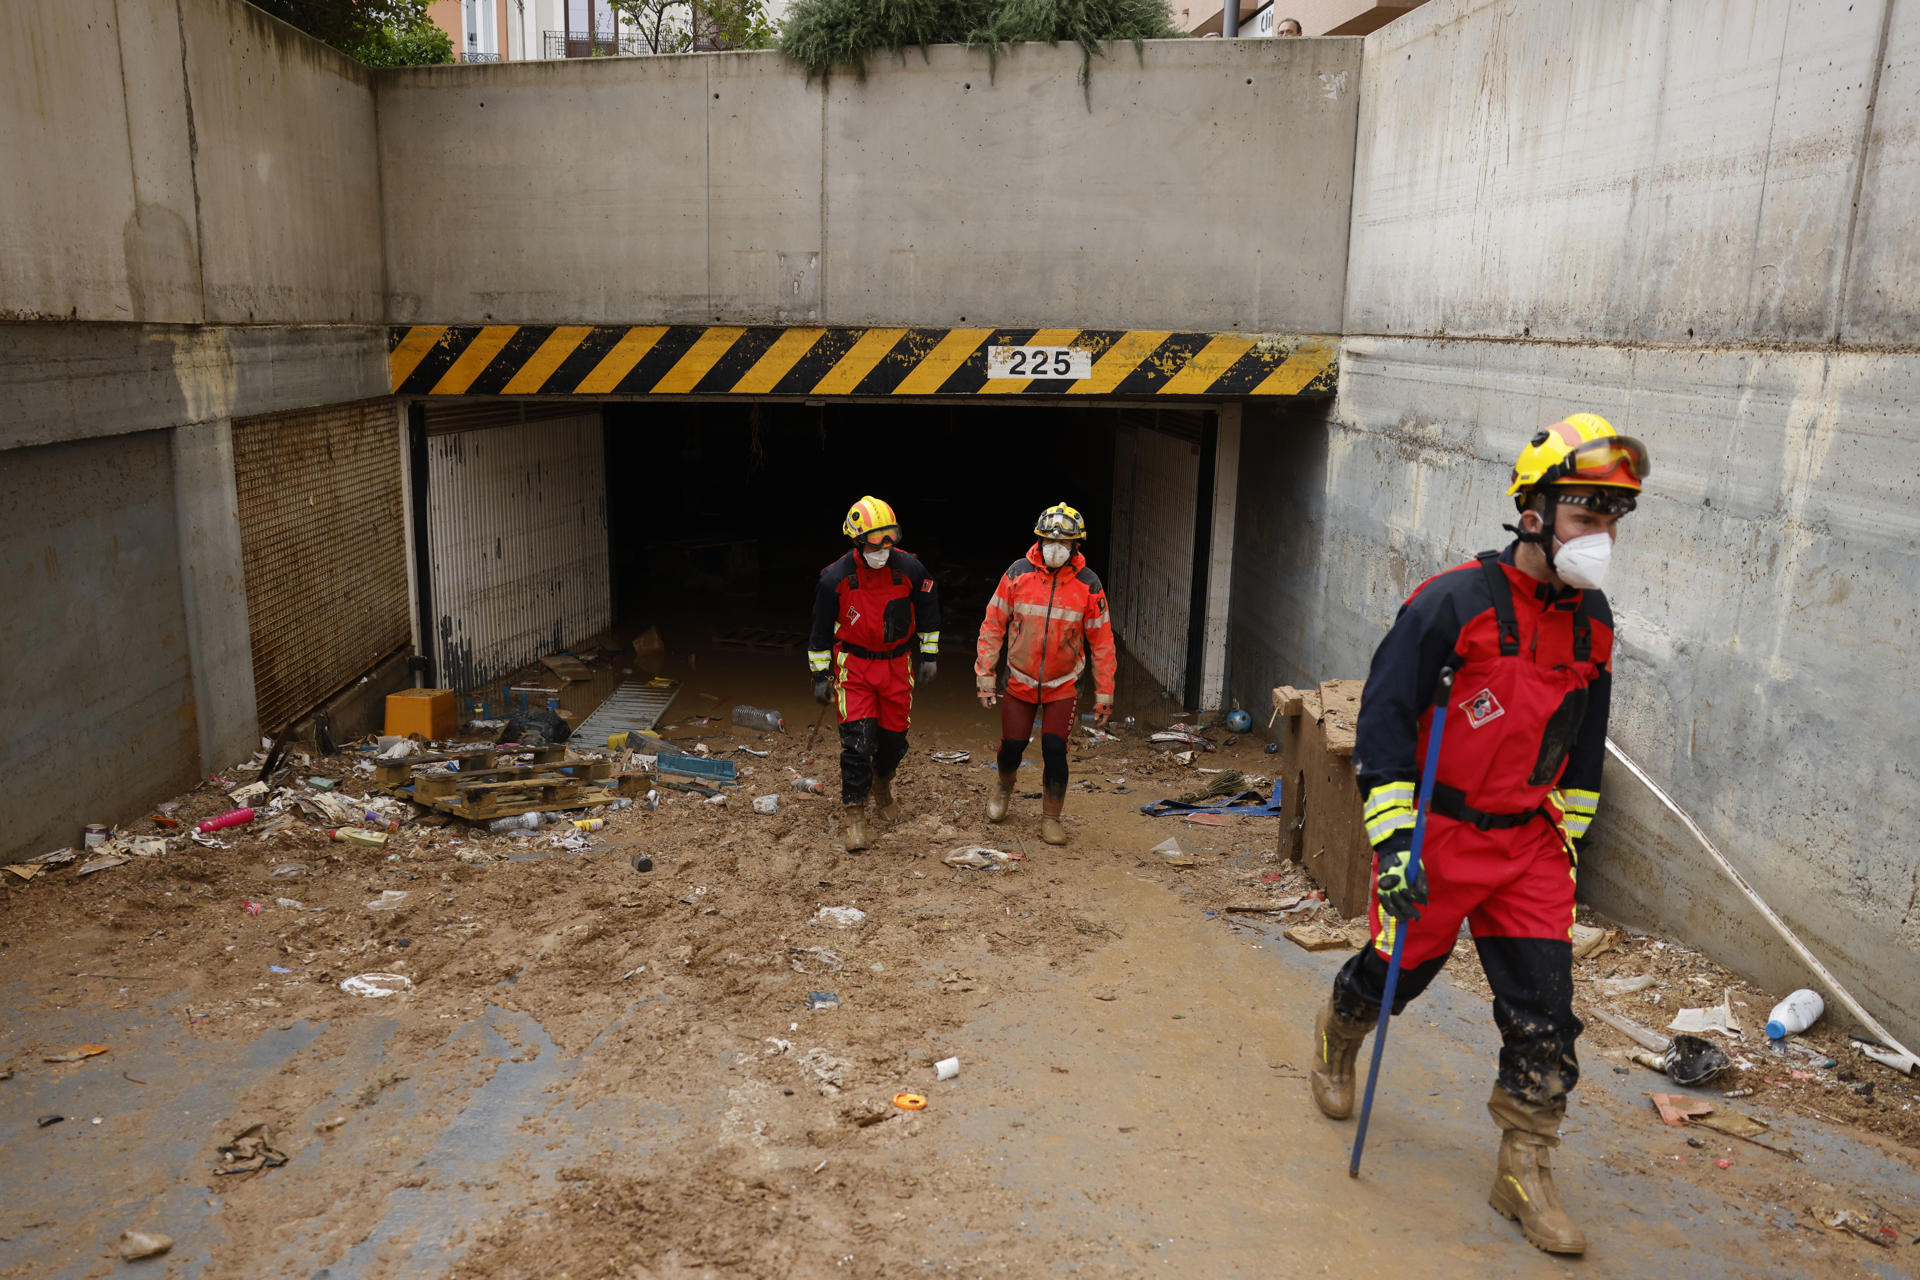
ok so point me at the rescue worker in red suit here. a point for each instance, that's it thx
(1530, 640)
(1051, 611)
(872, 607)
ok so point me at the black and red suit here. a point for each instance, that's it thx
(1517, 783)
(866, 624)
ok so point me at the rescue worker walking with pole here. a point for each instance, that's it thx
(1529, 641)
(1051, 610)
(868, 609)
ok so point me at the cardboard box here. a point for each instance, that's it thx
(427, 712)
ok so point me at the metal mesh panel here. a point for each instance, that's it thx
(323, 535)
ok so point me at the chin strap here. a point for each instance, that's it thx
(1549, 521)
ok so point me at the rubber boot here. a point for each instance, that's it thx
(885, 807)
(1336, 1045)
(1050, 829)
(1523, 1182)
(854, 827)
(1002, 797)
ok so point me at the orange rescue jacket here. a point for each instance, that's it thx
(1050, 618)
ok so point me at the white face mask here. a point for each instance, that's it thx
(1055, 554)
(876, 559)
(1583, 561)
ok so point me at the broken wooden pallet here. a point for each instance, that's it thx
(567, 667)
(390, 775)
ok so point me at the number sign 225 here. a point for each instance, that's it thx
(1039, 362)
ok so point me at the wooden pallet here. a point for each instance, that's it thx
(483, 789)
(759, 638)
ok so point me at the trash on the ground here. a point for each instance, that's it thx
(1732, 1123)
(1170, 852)
(76, 1055)
(1649, 1059)
(57, 858)
(762, 718)
(330, 1124)
(953, 757)
(246, 795)
(641, 862)
(1857, 1223)
(1589, 941)
(518, 822)
(828, 1071)
(1096, 734)
(376, 985)
(822, 1000)
(379, 822)
(1644, 1036)
(1183, 757)
(45, 1121)
(1624, 986)
(94, 834)
(1318, 937)
(812, 786)
(1692, 1060)
(812, 960)
(252, 908)
(589, 824)
(251, 1149)
(330, 808)
(1675, 1108)
(288, 870)
(274, 968)
(397, 748)
(981, 858)
(358, 835)
(1886, 1057)
(839, 917)
(1795, 1014)
(946, 1068)
(1723, 1163)
(25, 870)
(232, 818)
(717, 798)
(143, 1244)
(323, 784)
(758, 755)
(766, 804)
(388, 900)
(1719, 1017)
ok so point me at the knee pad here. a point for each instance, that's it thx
(892, 749)
(1011, 749)
(1053, 758)
(859, 737)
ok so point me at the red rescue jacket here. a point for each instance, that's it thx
(1049, 618)
(874, 613)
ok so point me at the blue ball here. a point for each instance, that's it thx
(1239, 722)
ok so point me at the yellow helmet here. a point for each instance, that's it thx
(869, 516)
(1062, 522)
(1582, 449)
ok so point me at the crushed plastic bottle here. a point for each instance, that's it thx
(376, 822)
(759, 718)
(358, 835)
(813, 786)
(518, 822)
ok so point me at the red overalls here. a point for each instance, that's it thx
(865, 624)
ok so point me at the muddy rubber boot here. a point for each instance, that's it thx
(1050, 829)
(1336, 1044)
(885, 807)
(854, 827)
(1002, 797)
(1523, 1180)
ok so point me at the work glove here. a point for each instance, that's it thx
(822, 690)
(1399, 898)
(926, 671)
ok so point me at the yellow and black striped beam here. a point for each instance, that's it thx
(729, 360)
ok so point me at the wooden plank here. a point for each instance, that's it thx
(1288, 700)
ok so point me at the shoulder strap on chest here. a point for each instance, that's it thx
(1582, 632)
(1502, 592)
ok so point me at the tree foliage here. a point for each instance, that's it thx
(824, 35)
(379, 33)
(684, 26)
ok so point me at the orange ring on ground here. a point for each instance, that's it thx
(910, 1101)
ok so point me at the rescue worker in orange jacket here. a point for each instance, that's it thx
(1529, 638)
(872, 607)
(1051, 611)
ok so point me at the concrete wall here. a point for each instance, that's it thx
(1647, 210)
(725, 187)
(185, 161)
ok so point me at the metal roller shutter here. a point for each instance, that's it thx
(517, 539)
(323, 537)
(1156, 482)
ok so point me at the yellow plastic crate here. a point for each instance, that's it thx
(427, 712)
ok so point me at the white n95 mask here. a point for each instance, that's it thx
(1055, 554)
(1583, 561)
(876, 559)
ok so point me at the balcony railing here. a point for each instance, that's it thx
(481, 57)
(592, 44)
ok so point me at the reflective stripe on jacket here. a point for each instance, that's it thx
(1050, 619)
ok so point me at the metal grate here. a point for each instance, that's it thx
(637, 704)
(322, 537)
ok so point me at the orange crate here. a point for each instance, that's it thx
(428, 712)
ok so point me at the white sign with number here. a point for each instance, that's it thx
(1039, 362)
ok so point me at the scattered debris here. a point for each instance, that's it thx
(1624, 986)
(376, 985)
(1170, 853)
(813, 960)
(76, 1055)
(822, 1000)
(1691, 1060)
(766, 804)
(981, 858)
(953, 757)
(1719, 1017)
(946, 1068)
(1676, 1108)
(827, 1070)
(44, 1121)
(250, 1151)
(1645, 1037)
(839, 917)
(1589, 941)
(388, 900)
(104, 862)
(1318, 937)
(143, 1244)
(910, 1101)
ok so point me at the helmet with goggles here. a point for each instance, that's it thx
(1061, 522)
(872, 522)
(1583, 450)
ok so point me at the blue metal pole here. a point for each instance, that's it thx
(1442, 696)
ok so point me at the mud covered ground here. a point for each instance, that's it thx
(686, 1071)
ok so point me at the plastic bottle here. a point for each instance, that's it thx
(518, 822)
(358, 835)
(233, 818)
(813, 786)
(589, 824)
(1795, 1014)
(759, 718)
(375, 822)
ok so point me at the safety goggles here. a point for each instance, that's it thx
(1601, 504)
(1607, 460)
(879, 541)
